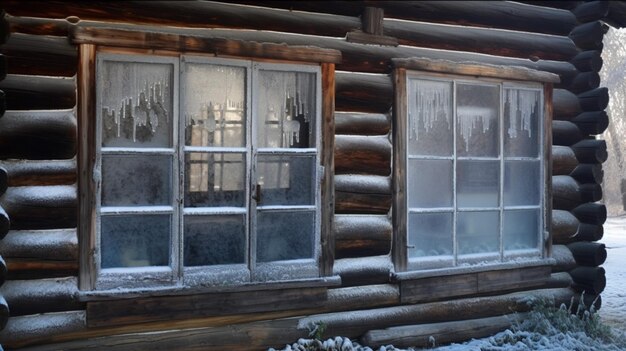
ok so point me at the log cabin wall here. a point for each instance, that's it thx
(39, 141)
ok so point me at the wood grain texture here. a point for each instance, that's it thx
(40, 55)
(362, 155)
(38, 92)
(398, 181)
(564, 160)
(40, 172)
(363, 92)
(362, 194)
(355, 123)
(328, 162)
(362, 235)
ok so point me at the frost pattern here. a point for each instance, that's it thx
(473, 117)
(522, 103)
(432, 102)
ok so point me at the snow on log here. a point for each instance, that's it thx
(40, 172)
(355, 154)
(363, 270)
(564, 259)
(593, 122)
(362, 194)
(563, 160)
(362, 123)
(40, 55)
(38, 92)
(25, 330)
(41, 207)
(584, 81)
(591, 11)
(567, 193)
(588, 36)
(592, 213)
(42, 134)
(47, 244)
(565, 133)
(41, 295)
(363, 92)
(587, 61)
(590, 151)
(589, 279)
(564, 226)
(588, 253)
(362, 235)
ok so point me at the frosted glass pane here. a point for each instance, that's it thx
(521, 123)
(478, 232)
(478, 110)
(211, 240)
(214, 179)
(522, 183)
(286, 180)
(214, 105)
(135, 240)
(430, 117)
(478, 183)
(286, 109)
(130, 180)
(430, 234)
(136, 104)
(430, 183)
(285, 235)
(521, 229)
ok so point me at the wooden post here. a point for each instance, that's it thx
(328, 161)
(399, 213)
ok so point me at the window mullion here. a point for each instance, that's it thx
(501, 197)
(454, 175)
(251, 168)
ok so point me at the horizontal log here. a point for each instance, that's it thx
(567, 105)
(362, 235)
(41, 207)
(588, 253)
(38, 92)
(363, 270)
(363, 92)
(589, 279)
(3, 66)
(565, 261)
(40, 55)
(431, 335)
(565, 133)
(592, 213)
(25, 330)
(4, 179)
(564, 226)
(584, 81)
(25, 268)
(3, 103)
(41, 296)
(563, 160)
(53, 245)
(588, 61)
(40, 26)
(41, 134)
(362, 155)
(594, 122)
(589, 232)
(559, 280)
(594, 100)
(4, 270)
(509, 15)
(362, 194)
(567, 193)
(588, 36)
(590, 151)
(590, 192)
(5, 223)
(362, 123)
(37, 172)
(591, 11)
(4, 312)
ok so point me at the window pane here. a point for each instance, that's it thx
(478, 232)
(214, 105)
(211, 240)
(136, 104)
(286, 109)
(214, 179)
(522, 183)
(286, 180)
(130, 180)
(430, 118)
(521, 229)
(135, 240)
(430, 234)
(478, 110)
(285, 235)
(521, 123)
(430, 183)
(478, 183)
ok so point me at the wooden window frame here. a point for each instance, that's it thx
(93, 40)
(404, 69)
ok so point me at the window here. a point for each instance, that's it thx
(209, 170)
(473, 167)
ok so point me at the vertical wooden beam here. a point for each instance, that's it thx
(547, 152)
(399, 210)
(372, 20)
(86, 160)
(328, 161)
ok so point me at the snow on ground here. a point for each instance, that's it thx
(613, 309)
